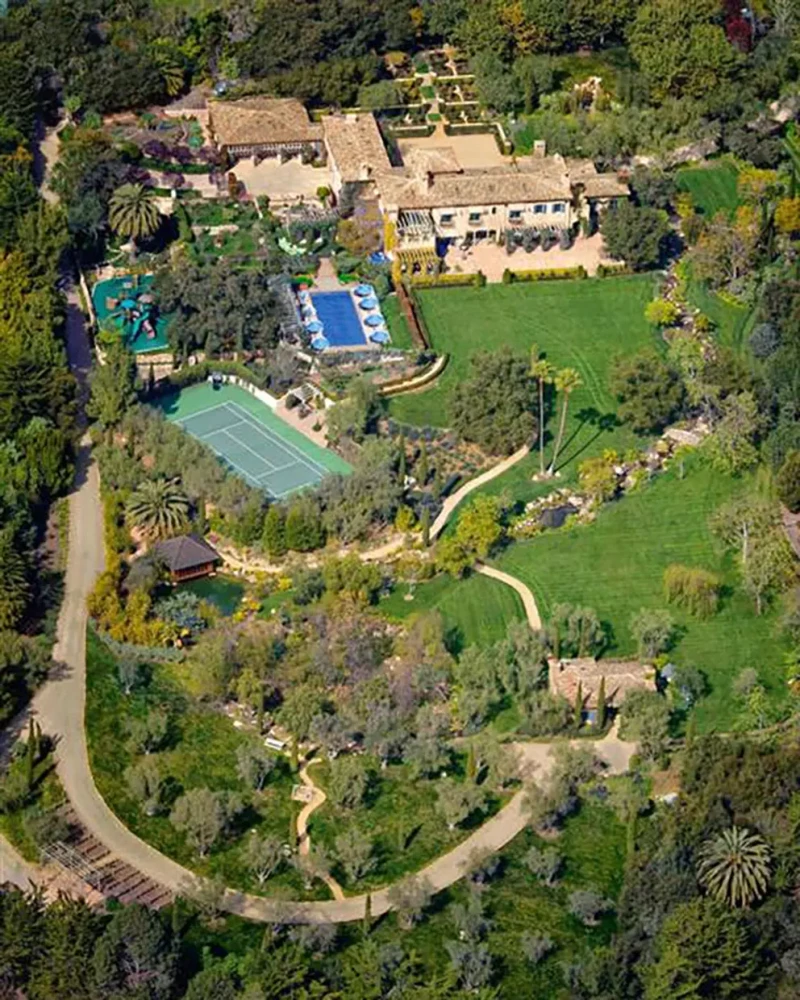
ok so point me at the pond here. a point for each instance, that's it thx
(224, 592)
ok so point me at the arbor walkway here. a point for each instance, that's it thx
(318, 798)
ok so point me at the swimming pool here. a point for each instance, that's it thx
(337, 313)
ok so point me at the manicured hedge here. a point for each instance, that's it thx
(173, 167)
(610, 270)
(448, 280)
(553, 274)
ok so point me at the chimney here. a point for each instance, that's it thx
(539, 149)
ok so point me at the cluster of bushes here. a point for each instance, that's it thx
(611, 270)
(551, 274)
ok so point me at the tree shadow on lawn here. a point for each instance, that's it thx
(589, 416)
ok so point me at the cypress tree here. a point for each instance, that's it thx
(367, 924)
(151, 379)
(274, 537)
(292, 827)
(422, 464)
(426, 526)
(30, 756)
(601, 703)
(472, 764)
(578, 710)
(438, 485)
(295, 762)
(401, 460)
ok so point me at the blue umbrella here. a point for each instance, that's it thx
(374, 320)
(370, 303)
(379, 337)
(314, 326)
(364, 290)
(319, 343)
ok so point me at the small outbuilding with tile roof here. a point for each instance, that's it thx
(187, 557)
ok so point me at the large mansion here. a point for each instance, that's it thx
(427, 196)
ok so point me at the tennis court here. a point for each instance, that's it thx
(250, 439)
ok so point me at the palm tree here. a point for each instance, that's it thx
(566, 382)
(544, 373)
(734, 866)
(132, 211)
(158, 508)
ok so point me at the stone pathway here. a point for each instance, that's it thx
(318, 798)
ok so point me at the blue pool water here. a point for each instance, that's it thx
(339, 319)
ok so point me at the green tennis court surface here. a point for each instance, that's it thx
(250, 439)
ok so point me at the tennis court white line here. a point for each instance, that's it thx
(261, 458)
(247, 476)
(275, 438)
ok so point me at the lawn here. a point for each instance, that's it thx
(592, 845)
(713, 189)
(201, 751)
(579, 324)
(400, 818)
(475, 611)
(733, 323)
(397, 323)
(616, 566)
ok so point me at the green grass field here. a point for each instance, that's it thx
(713, 189)
(616, 566)
(733, 324)
(579, 324)
(593, 847)
(397, 324)
(201, 751)
(475, 611)
(400, 818)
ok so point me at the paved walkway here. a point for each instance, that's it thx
(453, 501)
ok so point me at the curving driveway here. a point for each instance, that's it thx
(60, 708)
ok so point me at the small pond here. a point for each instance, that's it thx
(224, 592)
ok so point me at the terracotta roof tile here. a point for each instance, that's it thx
(257, 121)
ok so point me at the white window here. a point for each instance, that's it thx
(559, 207)
(475, 216)
(539, 209)
(515, 214)
(446, 218)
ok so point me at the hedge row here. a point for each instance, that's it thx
(448, 280)
(173, 167)
(553, 274)
(430, 374)
(143, 654)
(191, 374)
(610, 270)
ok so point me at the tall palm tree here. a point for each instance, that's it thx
(158, 508)
(544, 373)
(566, 382)
(734, 866)
(133, 212)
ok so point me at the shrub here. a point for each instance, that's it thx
(695, 590)
(661, 312)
